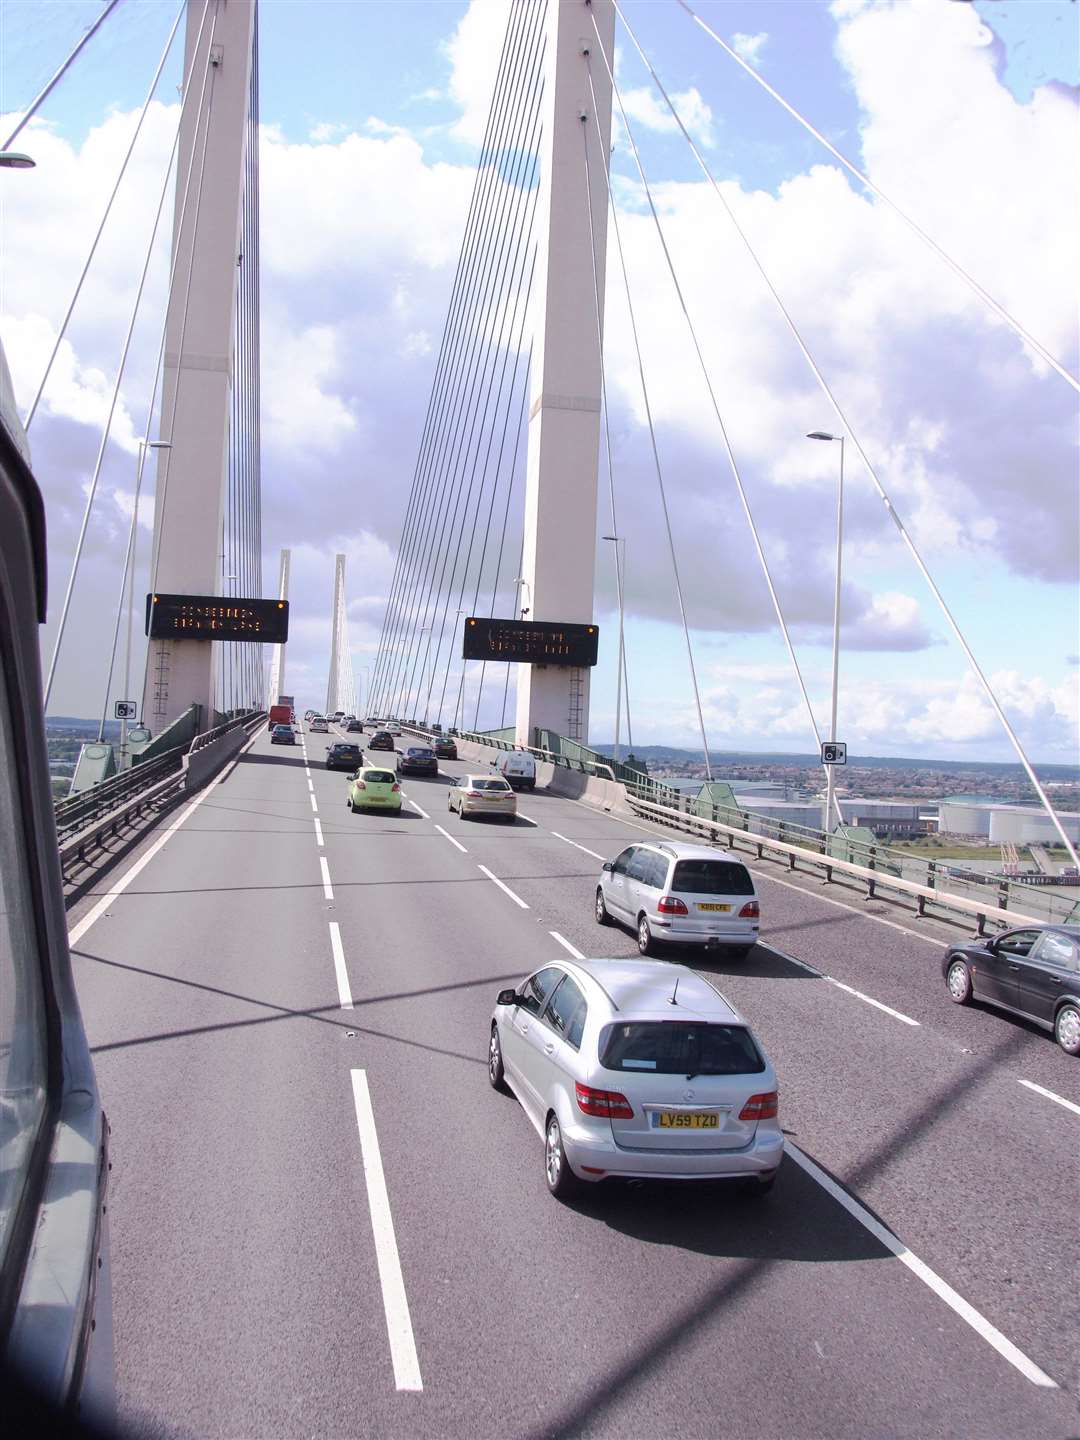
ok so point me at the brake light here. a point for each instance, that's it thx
(394, 788)
(605, 1104)
(671, 905)
(761, 1107)
(361, 785)
(750, 911)
(474, 794)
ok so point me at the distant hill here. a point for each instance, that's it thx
(73, 722)
(668, 754)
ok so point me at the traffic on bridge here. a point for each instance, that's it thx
(462, 1010)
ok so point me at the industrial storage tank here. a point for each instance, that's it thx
(1025, 825)
(957, 817)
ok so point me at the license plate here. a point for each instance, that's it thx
(713, 907)
(683, 1120)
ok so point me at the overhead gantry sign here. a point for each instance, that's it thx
(530, 642)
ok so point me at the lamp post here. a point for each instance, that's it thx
(14, 160)
(620, 571)
(830, 788)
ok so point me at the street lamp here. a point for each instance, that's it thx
(830, 788)
(13, 160)
(620, 571)
(520, 580)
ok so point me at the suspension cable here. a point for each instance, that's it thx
(42, 96)
(645, 392)
(957, 269)
(104, 217)
(870, 469)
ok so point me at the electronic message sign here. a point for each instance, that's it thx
(216, 617)
(530, 642)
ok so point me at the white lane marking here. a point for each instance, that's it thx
(342, 974)
(896, 1014)
(415, 806)
(314, 805)
(574, 951)
(451, 838)
(1030, 1085)
(395, 1302)
(577, 846)
(307, 772)
(919, 1268)
(516, 898)
(528, 819)
(318, 831)
(310, 786)
(327, 888)
(765, 875)
(79, 929)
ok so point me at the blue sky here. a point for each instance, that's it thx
(966, 123)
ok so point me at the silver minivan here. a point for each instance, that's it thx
(681, 895)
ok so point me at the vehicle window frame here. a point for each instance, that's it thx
(564, 1034)
(541, 1004)
(622, 862)
(1050, 937)
(1002, 948)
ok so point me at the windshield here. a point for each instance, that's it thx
(680, 1047)
(711, 877)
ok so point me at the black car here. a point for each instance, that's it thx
(417, 760)
(1033, 972)
(445, 748)
(355, 725)
(282, 735)
(381, 740)
(344, 756)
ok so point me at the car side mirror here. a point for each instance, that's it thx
(992, 945)
(608, 865)
(507, 997)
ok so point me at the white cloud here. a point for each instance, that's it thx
(750, 46)
(473, 51)
(649, 109)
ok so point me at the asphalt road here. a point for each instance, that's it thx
(325, 1222)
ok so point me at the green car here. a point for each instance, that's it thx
(373, 788)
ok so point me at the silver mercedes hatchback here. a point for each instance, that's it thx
(636, 1069)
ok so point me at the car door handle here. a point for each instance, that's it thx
(1015, 967)
(549, 1049)
(524, 1029)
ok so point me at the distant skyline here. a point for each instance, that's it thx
(966, 114)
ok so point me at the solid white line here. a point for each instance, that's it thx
(314, 804)
(328, 889)
(516, 898)
(342, 974)
(577, 846)
(318, 831)
(79, 929)
(1030, 1084)
(574, 951)
(395, 1302)
(896, 1014)
(919, 1268)
(451, 839)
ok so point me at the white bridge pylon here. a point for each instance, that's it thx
(277, 662)
(341, 684)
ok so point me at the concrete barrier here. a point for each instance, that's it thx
(204, 763)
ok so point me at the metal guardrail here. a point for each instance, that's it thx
(85, 820)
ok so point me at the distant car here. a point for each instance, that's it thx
(318, 725)
(355, 726)
(282, 735)
(482, 795)
(381, 740)
(634, 1069)
(445, 748)
(417, 760)
(395, 730)
(1033, 972)
(680, 894)
(343, 756)
(374, 789)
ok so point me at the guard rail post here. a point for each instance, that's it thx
(871, 864)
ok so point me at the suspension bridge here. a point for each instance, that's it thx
(318, 1210)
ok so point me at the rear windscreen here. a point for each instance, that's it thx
(379, 777)
(711, 877)
(347, 752)
(418, 754)
(680, 1048)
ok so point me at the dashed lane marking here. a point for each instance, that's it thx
(416, 807)
(318, 831)
(451, 839)
(340, 971)
(516, 898)
(328, 889)
(1058, 1099)
(314, 804)
(395, 1301)
(577, 846)
(941, 1288)
(848, 989)
(574, 951)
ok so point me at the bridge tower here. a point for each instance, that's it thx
(559, 556)
(217, 144)
(339, 683)
(277, 662)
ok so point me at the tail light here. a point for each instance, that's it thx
(605, 1104)
(474, 794)
(750, 911)
(394, 788)
(361, 785)
(761, 1107)
(671, 905)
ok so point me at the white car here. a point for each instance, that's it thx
(679, 894)
(481, 795)
(636, 1069)
(318, 726)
